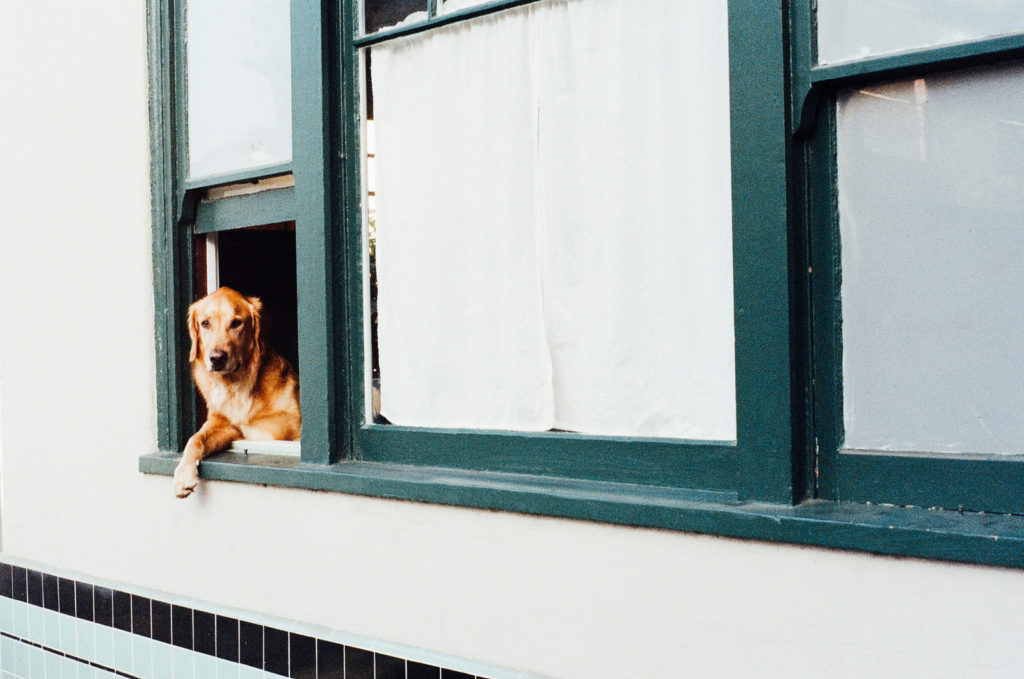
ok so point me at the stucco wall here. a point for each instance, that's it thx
(555, 597)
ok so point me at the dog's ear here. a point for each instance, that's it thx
(256, 310)
(193, 333)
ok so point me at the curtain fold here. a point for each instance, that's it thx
(554, 221)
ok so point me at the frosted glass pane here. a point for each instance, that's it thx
(239, 85)
(853, 29)
(931, 204)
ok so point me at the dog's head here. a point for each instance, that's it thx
(225, 330)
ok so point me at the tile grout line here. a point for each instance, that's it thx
(55, 651)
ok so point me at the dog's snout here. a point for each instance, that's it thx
(218, 359)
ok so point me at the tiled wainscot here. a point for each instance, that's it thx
(58, 628)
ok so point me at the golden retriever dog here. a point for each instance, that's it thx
(250, 391)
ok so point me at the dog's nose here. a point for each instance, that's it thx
(218, 359)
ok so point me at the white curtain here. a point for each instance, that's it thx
(554, 221)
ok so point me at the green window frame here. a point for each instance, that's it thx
(972, 482)
(762, 487)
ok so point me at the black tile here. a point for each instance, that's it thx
(417, 670)
(358, 663)
(330, 660)
(51, 593)
(301, 657)
(387, 667)
(35, 587)
(83, 601)
(275, 651)
(452, 674)
(161, 620)
(5, 579)
(250, 644)
(204, 638)
(141, 616)
(227, 639)
(66, 596)
(122, 611)
(181, 627)
(19, 584)
(103, 606)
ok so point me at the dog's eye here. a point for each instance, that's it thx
(205, 324)
(236, 323)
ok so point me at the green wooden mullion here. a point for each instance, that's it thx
(313, 236)
(348, 206)
(920, 61)
(239, 176)
(171, 251)
(655, 462)
(826, 287)
(759, 117)
(437, 22)
(266, 207)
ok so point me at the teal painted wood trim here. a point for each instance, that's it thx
(313, 97)
(265, 207)
(947, 535)
(238, 176)
(989, 483)
(826, 312)
(438, 21)
(347, 192)
(171, 255)
(760, 189)
(640, 461)
(916, 62)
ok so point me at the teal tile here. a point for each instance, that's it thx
(21, 659)
(246, 672)
(68, 634)
(85, 646)
(69, 668)
(7, 651)
(104, 645)
(36, 669)
(206, 666)
(122, 651)
(142, 656)
(36, 624)
(19, 611)
(51, 665)
(184, 663)
(163, 664)
(85, 672)
(227, 670)
(6, 614)
(51, 629)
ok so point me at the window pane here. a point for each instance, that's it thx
(378, 14)
(854, 29)
(553, 221)
(931, 190)
(239, 85)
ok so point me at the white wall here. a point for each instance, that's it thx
(555, 597)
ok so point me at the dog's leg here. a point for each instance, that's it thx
(215, 435)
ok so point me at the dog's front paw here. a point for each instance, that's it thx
(186, 476)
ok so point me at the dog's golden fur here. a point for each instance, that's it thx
(250, 391)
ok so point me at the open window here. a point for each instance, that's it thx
(239, 199)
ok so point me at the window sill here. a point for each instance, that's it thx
(990, 539)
